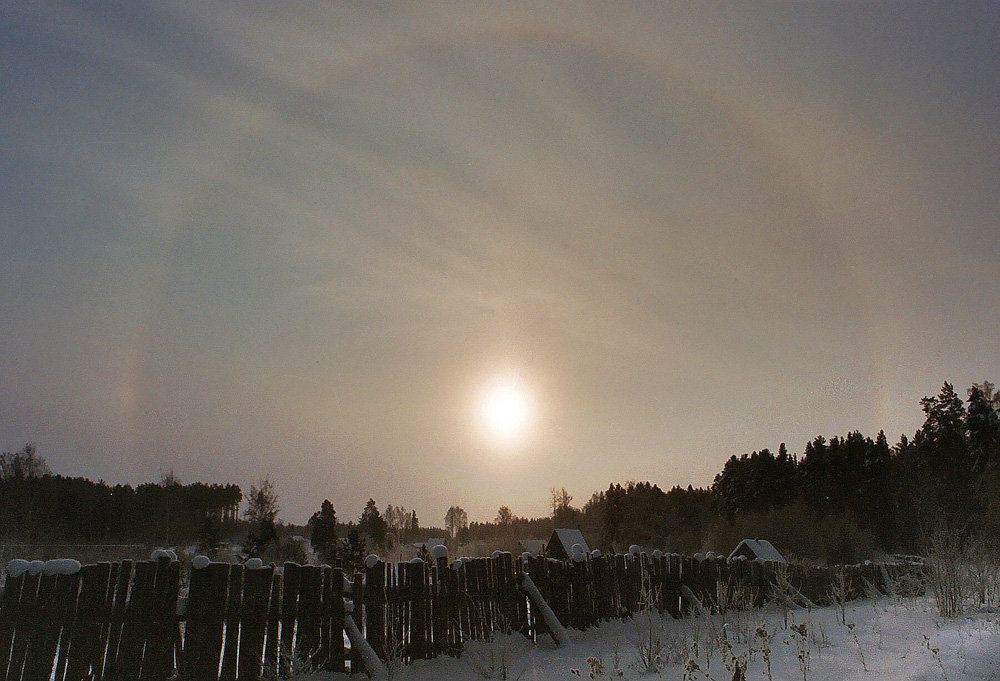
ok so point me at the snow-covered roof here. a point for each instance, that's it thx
(431, 543)
(758, 549)
(533, 546)
(566, 538)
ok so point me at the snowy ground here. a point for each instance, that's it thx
(885, 639)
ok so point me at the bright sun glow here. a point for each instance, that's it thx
(505, 411)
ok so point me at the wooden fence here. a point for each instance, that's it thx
(127, 622)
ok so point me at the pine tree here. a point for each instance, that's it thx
(323, 532)
(372, 525)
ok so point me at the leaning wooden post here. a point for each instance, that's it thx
(557, 630)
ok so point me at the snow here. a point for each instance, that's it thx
(157, 554)
(200, 562)
(254, 564)
(36, 567)
(371, 560)
(61, 566)
(439, 551)
(884, 640)
(17, 567)
(761, 549)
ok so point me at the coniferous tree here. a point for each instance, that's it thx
(208, 537)
(323, 532)
(943, 455)
(372, 525)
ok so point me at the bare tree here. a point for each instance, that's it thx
(504, 516)
(456, 520)
(262, 512)
(23, 464)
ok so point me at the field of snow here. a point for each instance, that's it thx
(885, 639)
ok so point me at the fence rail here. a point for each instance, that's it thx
(126, 621)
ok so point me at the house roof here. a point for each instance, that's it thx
(761, 549)
(534, 546)
(431, 542)
(567, 537)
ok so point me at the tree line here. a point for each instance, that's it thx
(843, 499)
(37, 506)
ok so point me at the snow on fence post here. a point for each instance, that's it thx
(557, 630)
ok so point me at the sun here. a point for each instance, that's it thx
(505, 411)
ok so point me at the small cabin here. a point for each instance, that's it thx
(560, 545)
(535, 547)
(757, 549)
(430, 543)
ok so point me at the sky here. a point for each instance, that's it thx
(298, 240)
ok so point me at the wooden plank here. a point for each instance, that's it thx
(136, 622)
(230, 649)
(271, 647)
(253, 621)
(449, 611)
(85, 659)
(67, 589)
(323, 654)
(310, 607)
(375, 603)
(335, 612)
(417, 594)
(9, 602)
(41, 651)
(25, 626)
(118, 592)
(203, 632)
(291, 580)
(161, 634)
(358, 598)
